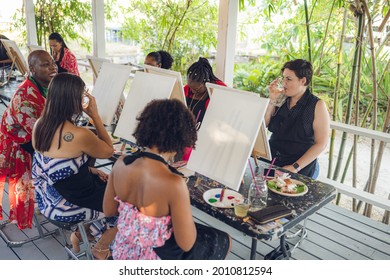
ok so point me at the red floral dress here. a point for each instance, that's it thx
(15, 163)
(69, 62)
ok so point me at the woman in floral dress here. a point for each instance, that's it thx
(66, 61)
(16, 126)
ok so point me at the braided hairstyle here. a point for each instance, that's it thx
(202, 72)
(163, 58)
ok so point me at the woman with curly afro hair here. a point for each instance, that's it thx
(152, 198)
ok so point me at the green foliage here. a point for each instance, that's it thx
(286, 40)
(65, 17)
(257, 75)
(185, 28)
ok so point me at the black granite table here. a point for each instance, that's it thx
(319, 194)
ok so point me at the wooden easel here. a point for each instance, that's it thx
(1, 83)
(96, 63)
(16, 60)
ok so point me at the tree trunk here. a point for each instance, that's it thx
(357, 103)
(325, 37)
(308, 31)
(350, 100)
(372, 180)
(336, 92)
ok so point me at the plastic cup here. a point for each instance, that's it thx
(241, 210)
(85, 101)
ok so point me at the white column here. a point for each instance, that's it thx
(99, 32)
(227, 29)
(30, 22)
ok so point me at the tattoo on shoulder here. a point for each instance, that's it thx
(68, 136)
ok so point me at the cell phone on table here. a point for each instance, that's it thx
(271, 172)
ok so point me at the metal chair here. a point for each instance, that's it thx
(19, 243)
(86, 250)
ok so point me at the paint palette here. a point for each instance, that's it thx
(230, 198)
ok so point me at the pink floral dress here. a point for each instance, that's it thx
(16, 127)
(138, 234)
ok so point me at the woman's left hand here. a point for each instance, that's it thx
(102, 175)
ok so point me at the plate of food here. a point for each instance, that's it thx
(229, 199)
(287, 186)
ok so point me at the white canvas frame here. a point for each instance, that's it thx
(20, 61)
(144, 88)
(108, 89)
(227, 135)
(177, 91)
(261, 148)
(96, 63)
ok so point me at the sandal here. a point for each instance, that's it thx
(98, 250)
(75, 239)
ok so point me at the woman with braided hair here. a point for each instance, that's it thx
(195, 91)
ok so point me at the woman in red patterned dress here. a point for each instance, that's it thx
(16, 127)
(66, 61)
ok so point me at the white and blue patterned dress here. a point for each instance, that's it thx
(46, 172)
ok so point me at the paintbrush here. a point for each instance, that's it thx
(197, 181)
(222, 194)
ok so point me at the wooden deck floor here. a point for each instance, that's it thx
(334, 233)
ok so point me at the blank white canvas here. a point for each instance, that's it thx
(261, 147)
(144, 88)
(177, 91)
(108, 89)
(96, 63)
(227, 135)
(7, 44)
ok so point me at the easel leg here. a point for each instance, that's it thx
(10, 71)
(255, 159)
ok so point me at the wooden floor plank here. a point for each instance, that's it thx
(359, 226)
(325, 249)
(334, 233)
(6, 253)
(358, 217)
(359, 235)
(344, 241)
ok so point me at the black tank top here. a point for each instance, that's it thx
(131, 158)
(210, 243)
(292, 132)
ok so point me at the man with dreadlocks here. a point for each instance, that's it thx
(197, 98)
